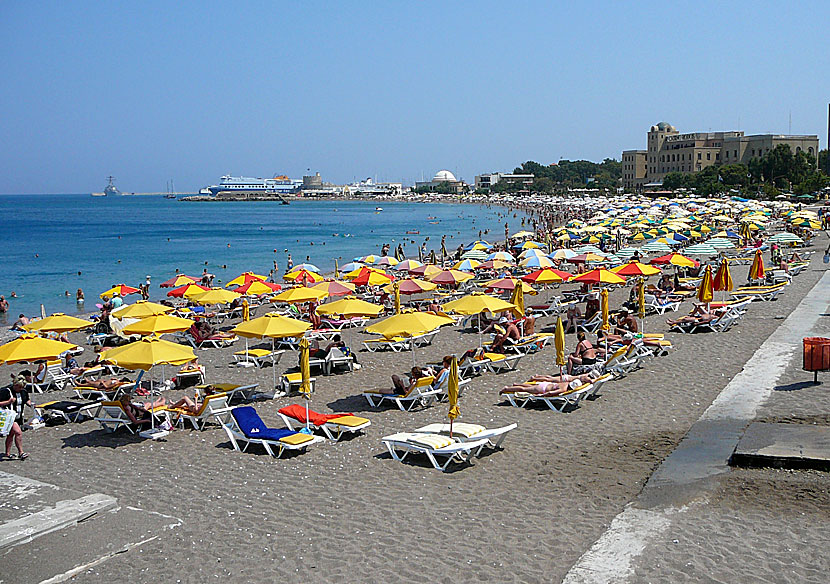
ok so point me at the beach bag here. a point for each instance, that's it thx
(827, 257)
(7, 418)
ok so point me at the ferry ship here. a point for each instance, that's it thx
(242, 186)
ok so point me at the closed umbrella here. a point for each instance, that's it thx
(641, 303)
(305, 374)
(452, 392)
(756, 270)
(603, 307)
(723, 278)
(704, 290)
(246, 310)
(518, 298)
(559, 344)
(396, 288)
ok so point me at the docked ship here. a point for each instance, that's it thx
(110, 190)
(246, 187)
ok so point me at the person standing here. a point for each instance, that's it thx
(12, 400)
(4, 305)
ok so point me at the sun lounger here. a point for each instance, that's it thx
(68, 410)
(257, 357)
(340, 324)
(529, 343)
(499, 362)
(396, 344)
(654, 304)
(337, 357)
(94, 393)
(763, 293)
(558, 403)
(334, 426)
(197, 341)
(54, 376)
(291, 382)
(234, 391)
(434, 446)
(464, 432)
(210, 404)
(111, 416)
(422, 392)
(244, 427)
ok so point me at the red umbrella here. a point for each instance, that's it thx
(371, 276)
(676, 259)
(180, 291)
(450, 277)
(546, 275)
(599, 276)
(178, 280)
(258, 286)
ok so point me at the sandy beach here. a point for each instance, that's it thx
(348, 512)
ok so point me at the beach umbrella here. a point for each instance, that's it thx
(178, 280)
(411, 286)
(409, 324)
(509, 284)
(244, 278)
(475, 254)
(547, 276)
(702, 249)
(187, 291)
(502, 255)
(335, 288)
(523, 233)
(720, 243)
(271, 326)
(466, 265)
(704, 290)
(635, 268)
(31, 347)
(349, 307)
(257, 288)
(408, 265)
(603, 304)
(306, 267)
(386, 261)
(675, 259)
(452, 392)
(215, 296)
(518, 298)
(476, 303)
(351, 266)
(157, 324)
(537, 262)
(532, 252)
(426, 270)
(599, 276)
(655, 247)
(58, 323)
(148, 352)
(371, 277)
(140, 309)
(587, 258)
(723, 278)
(396, 292)
(303, 277)
(495, 265)
(305, 375)
(246, 310)
(121, 290)
(449, 277)
(479, 245)
(756, 270)
(559, 344)
(299, 294)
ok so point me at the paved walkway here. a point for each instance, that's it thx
(682, 481)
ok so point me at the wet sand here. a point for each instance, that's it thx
(348, 512)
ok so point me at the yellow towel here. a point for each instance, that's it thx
(349, 421)
(296, 439)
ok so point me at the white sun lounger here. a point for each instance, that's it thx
(464, 432)
(434, 446)
(334, 429)
(557, 403)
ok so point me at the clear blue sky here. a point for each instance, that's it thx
(149, 91)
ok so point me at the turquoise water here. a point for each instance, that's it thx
(47, 239)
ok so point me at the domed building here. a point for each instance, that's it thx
(443, 181)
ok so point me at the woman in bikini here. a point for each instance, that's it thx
(585, 354)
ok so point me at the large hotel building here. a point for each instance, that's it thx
(670, 151)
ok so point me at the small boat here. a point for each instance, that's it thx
(413, 232)
(378, 208)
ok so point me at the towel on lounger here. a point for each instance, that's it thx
(253, 427)
(297, 412)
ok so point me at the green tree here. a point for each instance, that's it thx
(734, 175)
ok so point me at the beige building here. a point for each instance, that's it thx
(670, 151)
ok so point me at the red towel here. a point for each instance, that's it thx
(297, 412)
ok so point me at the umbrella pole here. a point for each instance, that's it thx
(273, 366)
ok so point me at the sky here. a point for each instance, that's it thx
(189, 91)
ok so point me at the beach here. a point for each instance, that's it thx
(348, 512)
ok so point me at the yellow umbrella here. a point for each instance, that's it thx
(723, 278)
(704, 291)
(603, 303)
(158, 325)
(349, 307)
(31, 347)
(148, 352)
(216, 296)
(452, 392)
(141, 309)
(559, 343)
(303, 276)
(299, 294)
(756, 270)
(244, 278)
(408, 324)
(518, 298)
(271, 326)
(305, 373)
(58, 323)
(396, 287)
(478, 302)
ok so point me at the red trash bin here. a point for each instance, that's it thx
(816, 355)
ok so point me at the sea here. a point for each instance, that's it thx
(54, 244)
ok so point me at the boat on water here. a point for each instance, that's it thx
(248, 187)
(378, 208)
(110, 190)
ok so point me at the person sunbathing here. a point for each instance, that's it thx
(192, 406)
(626, 323)
(699, 315)
(511, 331)
(106, 384)
(138, 413)
(584, 354)
(401, 388)
(549, 386)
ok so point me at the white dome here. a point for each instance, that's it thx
(444, 176)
